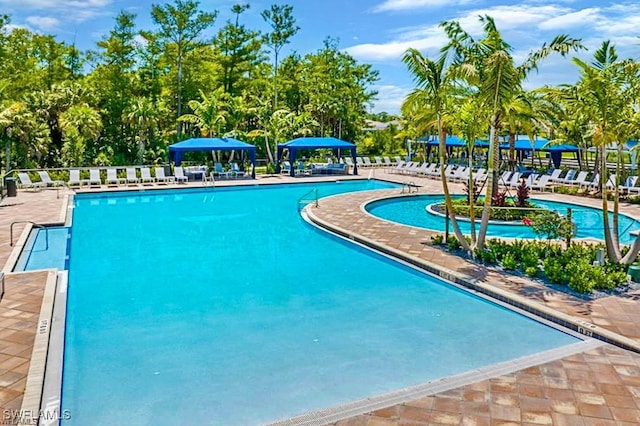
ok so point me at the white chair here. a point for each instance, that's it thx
(428, 170)
(360, 162)
(580, 179)
(25, 182)
(398, 168)
(378, 162)
(388, 162)
(94, 178)
(179, 175)
(145, 175)
(568, 178)
(235, 169)
(504, 178)
(611, 183)
(398, 159)
(132, 176)
(74, 178)
(555, 175)
(515, 180)
(46, 179)
(112, 177)
(542, 184)
(161, 177)
(595, 182)
(630, 185)
(286, 168)
(367, 162)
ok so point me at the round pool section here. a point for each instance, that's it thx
(413, 211)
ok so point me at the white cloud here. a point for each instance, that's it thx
(63, 10)
(43, 23)
(390, 98)
(428, 38)
(404, 5)
(573, 19)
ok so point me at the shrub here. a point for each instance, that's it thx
(530, 258)
(437, 239)
(522, 194)
(499, 199)
(531, 271)
(486, 256)
(499, 248)
(554, 270)
(453, 243)
(509, 262)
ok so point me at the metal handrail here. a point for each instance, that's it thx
(35, 225)
(409, 185)
(304, 198)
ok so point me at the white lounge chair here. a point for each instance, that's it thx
(46, 179)
(611, 182)
(543, 184)
(515, 180)
(504, 179)
(360, 162)
(367, 162)
(112, 177)
(25, 182)
(145, 175)
(580, 179)
(595, 182)
(132, 176)
(555, 175)
(398, 159)
(286, 168)
(348, 161)
(94, 178)
(179, 175)
(378, 162)
(388, 162)
(398, 168)
(74, 178)
(161, 177)
(428, 170)
(568, 178)
(630, 185)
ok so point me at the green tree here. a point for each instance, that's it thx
(181, 25)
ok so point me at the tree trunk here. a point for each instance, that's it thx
(491, 172)
(613, 252)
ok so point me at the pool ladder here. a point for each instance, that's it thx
(305, 198)
(35, 225)
(411, 187)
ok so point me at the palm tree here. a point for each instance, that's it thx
(209, 114)
(607, 88)
(488, 65)
(143, 114)
(433, 93)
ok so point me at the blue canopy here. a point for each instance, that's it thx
(315, 143)
(176, 150)
(452, 142)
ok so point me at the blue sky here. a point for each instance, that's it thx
(376, 31)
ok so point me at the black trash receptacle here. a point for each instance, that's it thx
(167, 169)
(12, 188)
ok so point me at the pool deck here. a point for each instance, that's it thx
(600, 386)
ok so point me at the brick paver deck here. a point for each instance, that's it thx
(601, 386)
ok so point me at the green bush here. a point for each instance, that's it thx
(531, 271)
(509, 262)
(554, 270)
(581, 275)
(437, 239)
(453, 243)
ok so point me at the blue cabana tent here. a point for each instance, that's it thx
(555, 151)
(452, 142)
(176, 150)
(293, 146)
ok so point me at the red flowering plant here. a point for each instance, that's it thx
(526, 221)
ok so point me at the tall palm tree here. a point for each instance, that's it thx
(488, 65)
(143, 114)
(435, 86)
(209, 114)
(607, 89)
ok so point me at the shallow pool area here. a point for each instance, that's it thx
(223, 306)
(45, 248)
(413, 211)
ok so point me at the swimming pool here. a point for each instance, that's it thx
(45, 248)
(224, 307)
(412, 211)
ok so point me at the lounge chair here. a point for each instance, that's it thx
(398, 168)
(360, 162)
(514, 182)
(504, 178)
(429, 170)
(302, 169)
(611, 182)
(542, 184)
(349, 161)
(219, 171)
(568, 178)
(132, 176)
(398, 159)
(286, 168)
(630, 185)
(580, 179)
(378, 162)
(74, 178)
(235, 169)
(112, 177)
(94, 177)
(594, 184)
(161, 177)
(145, 175)
(367, 162)
(46, 179)
(25, 182)
(555, 175)
(179, 176)
(388, 162)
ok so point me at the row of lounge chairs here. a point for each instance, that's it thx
(95, 178)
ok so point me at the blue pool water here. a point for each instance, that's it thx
(40, 253)
(412, 211)
(225, 307)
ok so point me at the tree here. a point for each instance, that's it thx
(435, 85)
(181, 24)
(488, 65)
(79, 124)
(608, 90)
(283, 27)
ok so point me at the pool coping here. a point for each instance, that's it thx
(585, 328)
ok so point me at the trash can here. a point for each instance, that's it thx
(12, 188)
(167, 169)
(634, 272)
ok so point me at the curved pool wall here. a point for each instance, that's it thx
(413, 211)
(226, 307)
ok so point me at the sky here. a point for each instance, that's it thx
(376, 31)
